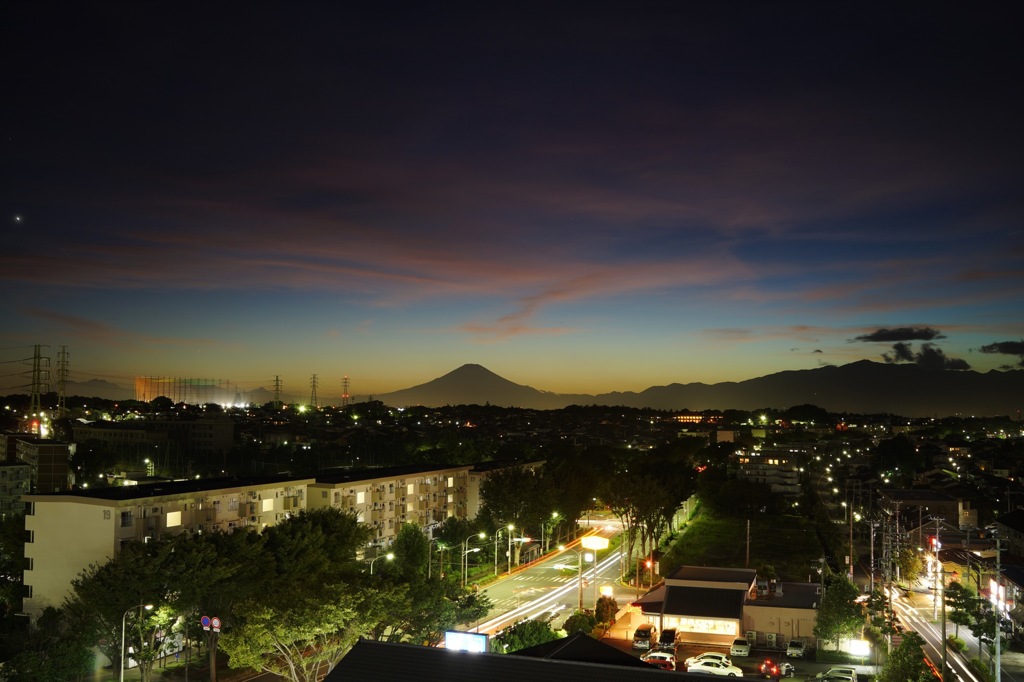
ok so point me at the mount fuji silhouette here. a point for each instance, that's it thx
(863, 387)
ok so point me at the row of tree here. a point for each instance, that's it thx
(290, 601)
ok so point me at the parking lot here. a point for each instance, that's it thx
(749, 664)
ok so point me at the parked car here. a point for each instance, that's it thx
(839, 673)
(795, 649)
(715, 668)
(661, 659)
(667, 640)
(740, 647)
(774, 670)
(645, 636)
(707, 656)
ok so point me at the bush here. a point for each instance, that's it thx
(580, 621)
(957, 643)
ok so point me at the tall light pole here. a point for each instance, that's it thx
(496, 534)
(124, 623)
(554, 525)
(389, 556)
(579, 571)
(510, 529)
(595, 543)
(440, 551)
(464, 564)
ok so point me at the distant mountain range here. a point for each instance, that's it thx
(862, 387)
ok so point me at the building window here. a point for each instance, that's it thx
(173, 519)
(126, 519)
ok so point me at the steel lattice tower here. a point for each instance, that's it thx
(62, 380)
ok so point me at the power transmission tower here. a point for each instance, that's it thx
(313, 382)
(277, 392)
(344, 391)
(40, 379)
(62, 380)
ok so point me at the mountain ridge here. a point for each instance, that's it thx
(862, 386)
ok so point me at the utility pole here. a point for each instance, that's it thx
(746, 562)
(896, 542)
(849, 511)
(938, 572)
(873, 524)
(62, 379)
(999, 625)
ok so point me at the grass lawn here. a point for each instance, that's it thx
(787, 542)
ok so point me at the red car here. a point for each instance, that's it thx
(775, 670)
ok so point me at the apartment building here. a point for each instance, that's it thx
(50, 462)
(775, 468)
(200, 436)
(66, 532)
(386, 498)
(15, 481)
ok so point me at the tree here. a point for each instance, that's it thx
(108, 597)
(54, 649)
(959, 601)
(606, 609)
(880, 613)
(524, 634)
(300, 642)
(513, 495)
(12, 563)
(211, 573)
(909, 563)
(839, 616)
(161, 403)
(906, 662)
(410, 549)
(306, 614)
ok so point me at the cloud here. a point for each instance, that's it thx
(1006, 348)
(95, 330)
(899, 334)
(929, 357)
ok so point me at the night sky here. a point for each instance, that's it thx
(580, 197)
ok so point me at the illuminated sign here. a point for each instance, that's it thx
(465, 641)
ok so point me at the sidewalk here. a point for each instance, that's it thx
(171, 670)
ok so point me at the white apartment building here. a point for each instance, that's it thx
(69, 531)
(386, 498)
(66, 532)
(775, 468)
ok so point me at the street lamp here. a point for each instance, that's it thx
(543, 527)
(579, 570)
(511, 527)
(595, 543)
(440, 551)
(554, 525)
(465, 563)
(389, 556)
(124, 623)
